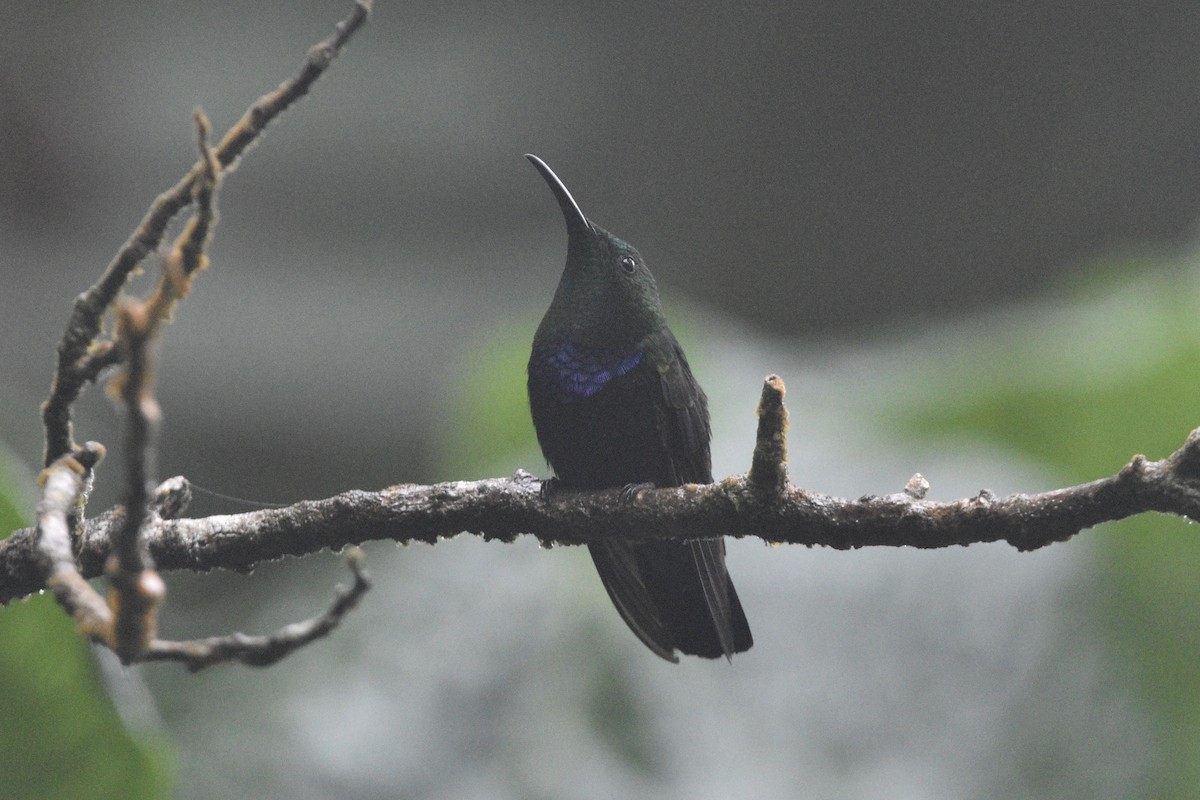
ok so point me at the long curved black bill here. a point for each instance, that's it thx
(577, 223)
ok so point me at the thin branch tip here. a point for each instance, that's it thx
(263, 651)
(74, 369)
(357, 561)
(203, 126)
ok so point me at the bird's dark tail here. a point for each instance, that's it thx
(675, 596)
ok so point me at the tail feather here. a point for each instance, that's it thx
(617, 565)
(709, 558)
(675, 596)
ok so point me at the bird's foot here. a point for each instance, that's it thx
(630, 490)
(549, 487)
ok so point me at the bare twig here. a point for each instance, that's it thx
(62, 484)
(100, 357)
(187, 255)
(137, 591)
(127, 624)
(272, 104)
(502, 508)
(77, 363)
(263, 651)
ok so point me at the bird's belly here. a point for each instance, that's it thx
(608, 439)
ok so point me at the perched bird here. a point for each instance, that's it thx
(614, 404)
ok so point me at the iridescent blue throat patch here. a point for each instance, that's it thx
(582, 374)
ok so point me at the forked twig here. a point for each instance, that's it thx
(127, 622)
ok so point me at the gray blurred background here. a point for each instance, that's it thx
(808, 181)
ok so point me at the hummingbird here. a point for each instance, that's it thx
(614, 404)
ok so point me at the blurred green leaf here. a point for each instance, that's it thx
(60, 736)
(1083, 387)
(490, 431)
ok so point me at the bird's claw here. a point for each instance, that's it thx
(549, 486)
(630, 491)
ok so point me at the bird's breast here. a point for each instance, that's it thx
(576, 372)
(595, 416)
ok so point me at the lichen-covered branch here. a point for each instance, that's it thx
(128, 543)
(503, 508)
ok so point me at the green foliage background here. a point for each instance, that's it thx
(60, 736)
(1111, 372)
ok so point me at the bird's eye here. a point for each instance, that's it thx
(628, 264)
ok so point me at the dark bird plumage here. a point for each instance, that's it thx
(614, 404)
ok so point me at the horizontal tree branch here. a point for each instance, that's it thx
(62, 551)
(503, 508)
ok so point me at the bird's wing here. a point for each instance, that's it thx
(685, 429)
(683, 421)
